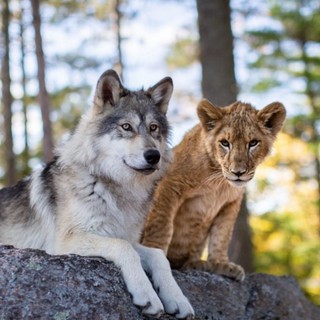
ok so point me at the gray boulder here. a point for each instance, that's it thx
(35, 285)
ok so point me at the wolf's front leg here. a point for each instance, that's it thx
(122, 253)
(156, 264)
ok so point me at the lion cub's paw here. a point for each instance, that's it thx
(196, 265)
(226, 268)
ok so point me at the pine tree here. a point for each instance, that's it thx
(26, 152)
(216, 52)
(44, 99)
(118, 14)
(10, 168)
(287, 51)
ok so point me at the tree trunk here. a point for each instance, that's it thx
(216, 51)
(240, 249)
(10, 176)
(44, 99)
(25, 153)
(219, 86)
(118, 16)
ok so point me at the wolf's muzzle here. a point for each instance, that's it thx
(152, 156)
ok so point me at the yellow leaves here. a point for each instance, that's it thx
(260, 224)
(285, 237)
(288, 149)
(289, 172)
(288, 243)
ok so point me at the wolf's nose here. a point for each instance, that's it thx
(152, 156)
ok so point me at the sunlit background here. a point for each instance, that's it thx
(276, 52)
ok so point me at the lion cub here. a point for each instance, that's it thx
(200, 196)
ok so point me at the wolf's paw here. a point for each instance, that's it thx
(180, 307)
(226, 268)
(175, 302)
(148, 301)
(150, 310)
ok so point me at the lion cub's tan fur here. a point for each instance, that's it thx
(199, 198)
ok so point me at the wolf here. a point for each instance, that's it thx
(92, 199)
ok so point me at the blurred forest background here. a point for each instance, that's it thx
(52, 53)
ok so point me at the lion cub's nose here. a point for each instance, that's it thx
(238, 173)
(152, 156)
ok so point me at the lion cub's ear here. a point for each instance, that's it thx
(272, 116)
(208, 114)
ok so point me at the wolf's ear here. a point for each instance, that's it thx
(161, 93)
(208, 114)
(272, 117)
(108, 90)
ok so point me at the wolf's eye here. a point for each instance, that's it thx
(253, 143)
(225, 143)
(153, 127)
(126, 127)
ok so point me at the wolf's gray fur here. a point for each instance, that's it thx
(92, 199)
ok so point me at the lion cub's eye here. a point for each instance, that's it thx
(153, 127)
(126, 127)
(225, 143)
(253, 143)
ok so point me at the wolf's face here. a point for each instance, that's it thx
(135, 133)
(128, 129)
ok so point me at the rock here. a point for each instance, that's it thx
(35, 285)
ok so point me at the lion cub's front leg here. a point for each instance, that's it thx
(219, 240)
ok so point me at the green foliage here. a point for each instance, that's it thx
(299, 18)
(69, 104)
(290, 44)
(287, 52)
(183, 53)
(264, 85)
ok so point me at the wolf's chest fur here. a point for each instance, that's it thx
(106, 207)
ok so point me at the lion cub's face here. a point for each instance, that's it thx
(239, 137)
